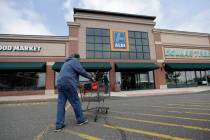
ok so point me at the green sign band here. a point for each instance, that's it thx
(177, 52)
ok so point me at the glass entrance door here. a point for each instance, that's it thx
(137, 80)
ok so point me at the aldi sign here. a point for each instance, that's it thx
(119, 40)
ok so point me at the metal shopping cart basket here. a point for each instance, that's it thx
(95, 92)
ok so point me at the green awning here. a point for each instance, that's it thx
(187, 66)
(23, 66)
(57, 66)
(135, 66)
(88, 66)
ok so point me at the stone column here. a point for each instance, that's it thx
(160, 78)
(50, 79)
(112, 77)
(73, 44)
(159, 74)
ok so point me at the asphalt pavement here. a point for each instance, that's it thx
(173, 117)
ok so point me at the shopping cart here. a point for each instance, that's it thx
(95, 92)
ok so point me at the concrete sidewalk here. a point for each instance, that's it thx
(152, 92)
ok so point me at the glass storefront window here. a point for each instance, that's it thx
(56, 78)
(145, 42)
(98, 47)
(131, 41)
(203, 75)
(22, 81)
(139, 42)
(90, 39)
(171, 77)
(198, 74)
(106, 47)
(98, 41)
(131, 34)
(208, 77)
(98, 54)
(151, 77)
(144, 35)
(106, 54)
(181, 79)
(41, 80)
(115, 55)
(124, 55)
(140, 55)
(146, 49)
(144, 77)
(132, 48)
(146, 56)
(139, 48)
(203, 78)
(190, 75)
(138, 34)
(186, 78)
(132, 55)
(90, 46)
(90, 54)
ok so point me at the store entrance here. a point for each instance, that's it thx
(137, 80)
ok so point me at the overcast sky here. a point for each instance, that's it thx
(49, 17)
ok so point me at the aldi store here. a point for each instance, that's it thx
(128, 47)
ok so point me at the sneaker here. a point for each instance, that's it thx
(59, 129)
(83, 122)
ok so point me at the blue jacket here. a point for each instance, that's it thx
(70, 71)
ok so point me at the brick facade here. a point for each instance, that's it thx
(50, 78)
(160, 78)
(49, 45)
(73, 47)
(73, 44)
(112, 77)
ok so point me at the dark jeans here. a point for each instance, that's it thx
(68, 93)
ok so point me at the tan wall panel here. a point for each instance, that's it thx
(95, 16)
(112, 25)
(32, 59)
(47, 49)
(184, 39)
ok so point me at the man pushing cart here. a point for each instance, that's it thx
(96, 92)
(67, 85)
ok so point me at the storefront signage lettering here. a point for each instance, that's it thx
(119, 40)
(189, 53)
(20, 48)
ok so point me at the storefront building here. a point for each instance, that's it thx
(185, 58)
(134, 54)
(26, 63)
(124, 41)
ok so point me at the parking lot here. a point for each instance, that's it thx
(174, 117)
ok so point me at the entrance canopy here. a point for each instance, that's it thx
(88, 66)
(187, 66)
(135, 66)
(23, 66)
